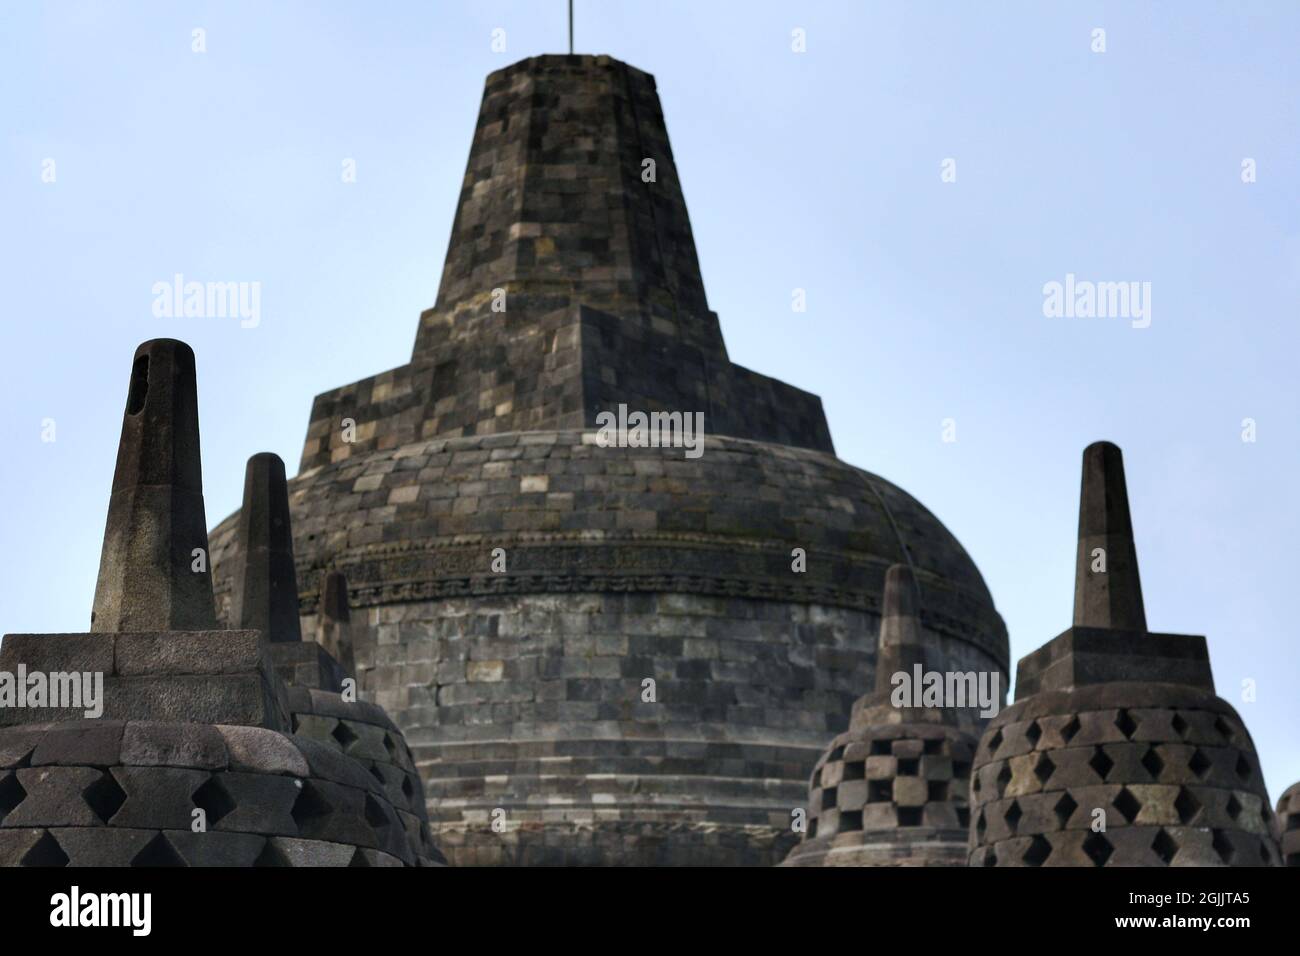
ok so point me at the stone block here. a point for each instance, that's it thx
(157, 797)
(258, 750)
(154, 743)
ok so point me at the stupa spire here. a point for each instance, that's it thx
(265, 595)
(154, 573)
(1107, 589)
(901, 646)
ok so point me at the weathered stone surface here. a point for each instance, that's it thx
(157, 796)
(297, 852)
(217, 849)
(265, 596)
(147, 577)
(102, 847)
(57, 796)
(155, 743)
(257, 750)
(208, 652)
(16, 844)
(97, 743)
(255, 803)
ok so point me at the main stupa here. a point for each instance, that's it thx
(601, 654)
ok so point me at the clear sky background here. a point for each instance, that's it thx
(818, 171)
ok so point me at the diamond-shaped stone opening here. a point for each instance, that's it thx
(1223, 846)
(1044, 768)
(1152, 763)
(909, 816)
(1234, 807)
(1244, 769)
(1004, 778)
(880, 791)
(990, 857)
(377, 773)
(1070, 729)
(1012, 815)
(1127, 804)
(271, 855)
(836, 754)
(375, 814)
(1097, 848)
(817, 778)
(1125, 722)
(11, 794)
(850, 820)
(45, 852)
(1038, 851)
(359, 859)
(975, 785)
(105, 796)
(1101, 763)
(1179, 725)
(408, 788)
(391, 746)
(1064, 809)
(980, 826)
(908, 767)
(995, 741)
(214, 800)
(1199, 763)
(158, 852)
(1224, 728)
(1186, 805)
(310, 809)
(1033, 733)
(855, 770)
(1164, 846)
(344, 734)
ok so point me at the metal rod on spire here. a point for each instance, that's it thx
(570, 27)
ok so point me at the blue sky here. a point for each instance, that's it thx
(818, 171)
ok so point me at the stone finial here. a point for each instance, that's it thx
(1109, 598)
(335, 633)
(265, 595)
(901, 645)
(153, 571)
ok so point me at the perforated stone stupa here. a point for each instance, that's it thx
(572, 286)
(190, 761)
(1115, 720)
(894, 789)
